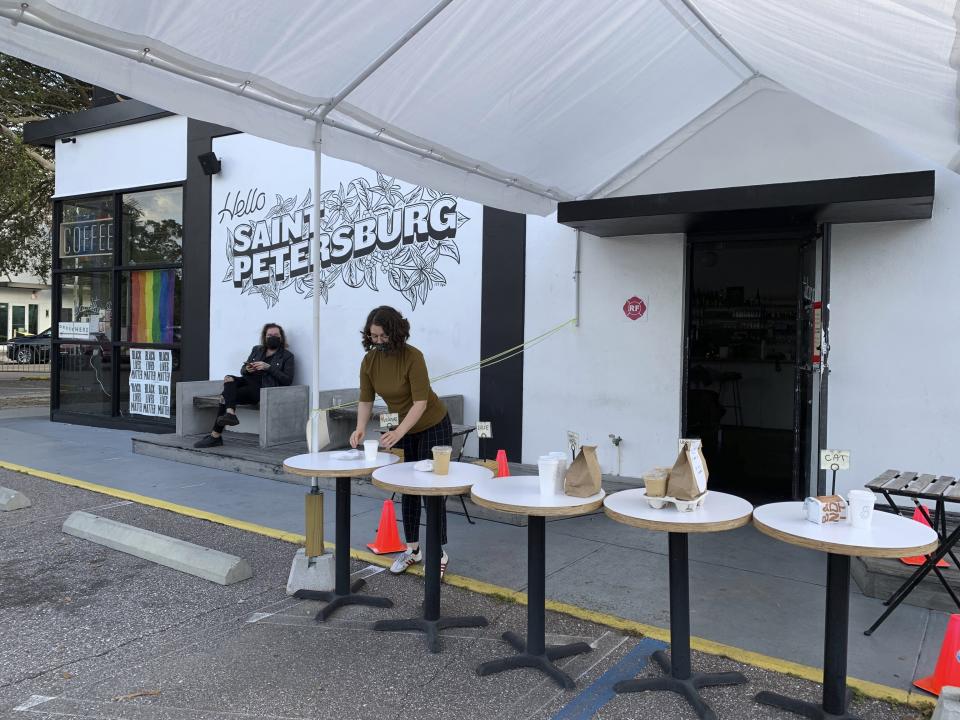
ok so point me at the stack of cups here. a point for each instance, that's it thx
(370, 450)
(547, 467)
(561, 470)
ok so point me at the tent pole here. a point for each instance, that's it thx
(317, 278)
(384, 56)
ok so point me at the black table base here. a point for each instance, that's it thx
(344, 593)
(534, 653)
(542, 661)
(688, 687)
(679, 677)
(431, 623)
(835, 693)
(801, 707)
(431, 628)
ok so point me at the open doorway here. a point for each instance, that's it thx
(748, 373)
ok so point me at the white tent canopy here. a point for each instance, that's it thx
(515, 104)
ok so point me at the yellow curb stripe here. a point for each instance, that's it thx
(747, 657)
(156, 503)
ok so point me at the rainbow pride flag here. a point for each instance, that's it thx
(151, 306)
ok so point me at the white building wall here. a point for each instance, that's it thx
(894, 315)
(609, 375)
(147, 153)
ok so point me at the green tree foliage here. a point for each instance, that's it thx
(29, 93)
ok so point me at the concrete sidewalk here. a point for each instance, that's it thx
(748, 591)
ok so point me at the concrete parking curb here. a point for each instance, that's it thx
(170, 552)
(13, 500)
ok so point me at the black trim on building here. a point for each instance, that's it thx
(874, 198)
(103, 117)
(501, 326)
(195, 362)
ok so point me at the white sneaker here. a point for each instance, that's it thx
(407, 558)
(444, 559)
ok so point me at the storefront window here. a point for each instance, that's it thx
(122, 366)
(19, 320)
(85, 374)
(86, 233)
(150, 306)
(87, 298)
(153, 226)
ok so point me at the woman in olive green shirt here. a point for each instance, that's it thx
(397, 372)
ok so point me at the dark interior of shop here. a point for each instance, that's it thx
(743, 339)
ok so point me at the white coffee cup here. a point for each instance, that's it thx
(547, 467)
(860, 507)
(561, 470)
(370, 450)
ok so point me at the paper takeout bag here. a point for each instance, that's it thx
(583, 476)
(689, 474)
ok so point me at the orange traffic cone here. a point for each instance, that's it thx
(947, 671)
(920, 559)
(387, 541)
(503, 470)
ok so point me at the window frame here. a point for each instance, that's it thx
(117, 271)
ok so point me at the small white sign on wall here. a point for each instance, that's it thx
(150, 374)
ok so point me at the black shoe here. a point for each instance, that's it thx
(227, 419)
(208, 441)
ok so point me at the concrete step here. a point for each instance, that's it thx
(241, 453)
(880, 577)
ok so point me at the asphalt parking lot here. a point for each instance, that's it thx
(88, 632)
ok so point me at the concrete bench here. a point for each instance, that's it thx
(342, 422)
(280, 417)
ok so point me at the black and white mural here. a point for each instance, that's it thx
(382, 241)
(377, 235)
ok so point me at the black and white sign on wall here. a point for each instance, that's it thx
(374, 234)
(150, 373)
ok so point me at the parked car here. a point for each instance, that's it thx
(30, 348)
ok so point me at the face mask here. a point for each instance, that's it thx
(382, 347)
(273, 342)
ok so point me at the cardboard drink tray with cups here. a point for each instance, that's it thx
(684, 485)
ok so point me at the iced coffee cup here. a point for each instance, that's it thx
(656, 482)
(441, 459)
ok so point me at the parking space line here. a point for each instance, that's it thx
(33, 701)
(598, 693)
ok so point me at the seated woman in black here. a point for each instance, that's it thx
(270, 364)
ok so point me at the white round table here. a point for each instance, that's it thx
(521, 495)
(403, 478)
(889, 536)
(325, 464)
(719, 512)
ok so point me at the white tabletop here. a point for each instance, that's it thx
(404, 479)
(888, 535)
(325, 464)
(719, 511)
(522, 495)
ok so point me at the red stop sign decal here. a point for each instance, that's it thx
(634, 308)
